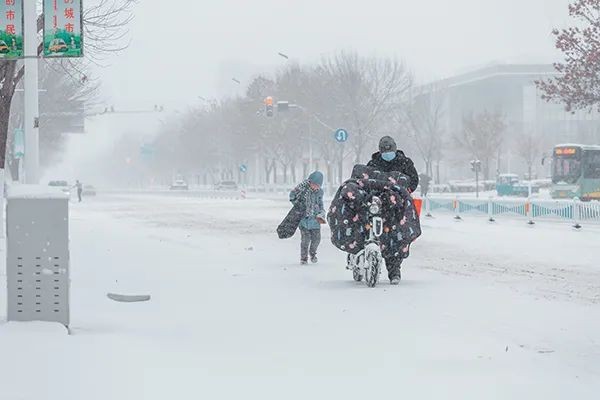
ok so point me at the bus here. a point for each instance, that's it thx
(576, 172)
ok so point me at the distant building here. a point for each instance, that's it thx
(510, 89)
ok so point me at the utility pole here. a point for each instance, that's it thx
(310, 147)
(476, 167)
(31, 112)
(477, 182)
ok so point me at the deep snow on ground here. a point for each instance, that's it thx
(484, 311)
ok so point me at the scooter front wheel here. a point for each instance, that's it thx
(372, 264)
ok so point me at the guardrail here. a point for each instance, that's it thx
(530, 210)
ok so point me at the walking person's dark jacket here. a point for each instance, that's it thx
(313, 202)
(400, 164)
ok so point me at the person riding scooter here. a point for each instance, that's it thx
(389, 159)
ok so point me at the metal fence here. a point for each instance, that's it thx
(530, 210)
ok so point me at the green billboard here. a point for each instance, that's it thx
(11, 29)
(63, 28)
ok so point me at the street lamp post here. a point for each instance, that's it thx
(31, 112)
(310, 146)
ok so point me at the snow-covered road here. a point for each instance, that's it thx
(484, 312)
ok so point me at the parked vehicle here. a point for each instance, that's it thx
(509, 185)
(464, 186)
(440, 188)
(179, 184)
(489, 185)
(63, 185)
(226, 185)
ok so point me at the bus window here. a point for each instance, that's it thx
(592, 165)
(566, 169)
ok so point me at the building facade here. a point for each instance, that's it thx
(510, 89)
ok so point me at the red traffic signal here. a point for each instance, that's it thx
(269, 106)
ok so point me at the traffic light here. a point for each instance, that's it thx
(269, 106)
(476, 166)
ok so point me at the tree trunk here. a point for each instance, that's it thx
(274, 166)
(429, 168)
(5, 104)
(498, 166)
(293, 167)
(486, 169)
(285, 173)
(2, 178)
(267, 172)
(437, 173)
(341, 165)
(358, 148)
(6, 95)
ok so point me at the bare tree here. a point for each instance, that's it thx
(481, 136)
(529, 146)
(347, 91)
(366, 91)
(425, 117)
(61, 93)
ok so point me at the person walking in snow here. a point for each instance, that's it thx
(79, 187)
(425, 181)
(310, 193)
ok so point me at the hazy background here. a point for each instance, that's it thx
(183, 51)
(211, 42)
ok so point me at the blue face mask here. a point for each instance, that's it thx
(389, 155)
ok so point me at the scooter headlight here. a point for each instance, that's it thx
(375, 206)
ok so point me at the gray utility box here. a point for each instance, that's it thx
(37, 256)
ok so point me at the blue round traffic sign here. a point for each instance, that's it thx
(243, 168)
(341, 135)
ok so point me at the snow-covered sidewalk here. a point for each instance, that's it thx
(484, 311)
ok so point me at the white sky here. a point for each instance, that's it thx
(188, 48)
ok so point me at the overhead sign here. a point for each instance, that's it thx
(341, 135)
(565, 151)
(147, 150)
(63, 28)
(11, 29)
